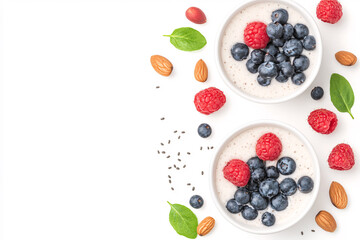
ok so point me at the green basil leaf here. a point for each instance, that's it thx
(183, 220)
(187, 39)
(341, 93)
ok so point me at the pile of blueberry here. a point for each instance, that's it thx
(282, 58)
(263, 189)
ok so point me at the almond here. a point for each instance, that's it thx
(195, 15)
(201, 71)
(338, 195)
(326, 221)
(205, 226)
(161, 65)
(345, 58)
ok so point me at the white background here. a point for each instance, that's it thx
(81, 119)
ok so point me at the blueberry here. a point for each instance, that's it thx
(309, 42)
(301, 63)
(317, 93)
(263, 81)
(271, 49)
(249, 213)
(240, 51)
(274, 30)
(269, 188)
(298, 78)
(269, 58)
(258, 174)
(251, 66)
(279, 202)
(300, 31)
(233, 207)
(258, 202)
(292, 47)
(255, 163)
(288, 186)
(288, 31)
(242, 196)
(196, 201)
(272, 172)
(286, 68)
(281, 57)
(281, 78)
(204, 130)
(286, 165)
(305, 184)
(268, 70)
(278, 42)
(257, 56)
(268, 219)
(252, 186)
(280, 16)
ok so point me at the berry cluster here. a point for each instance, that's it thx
(278, 49)
(258, 187)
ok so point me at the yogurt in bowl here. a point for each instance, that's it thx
(236, 74)
(241, 145)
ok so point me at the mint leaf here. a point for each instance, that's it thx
(183, 220)
(341, 93)
(187, 39)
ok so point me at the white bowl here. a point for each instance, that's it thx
(310, 77)
(276, 228)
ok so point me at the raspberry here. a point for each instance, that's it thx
(209, 100)
(268, 147)
(329, 11)
(255, 35)
(323, 121)
(341, 157)
(237, 172)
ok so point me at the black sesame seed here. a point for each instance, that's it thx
(178, 153)
(177, 168)
(202, 172)
(163, 152)
(172, 188)
(162, 118)
(158, 151)
(184, 166)
(313, 230)
(169, 167)
(302, 233)
(169, 176)
(175, 131)
(179, 159)
(168, 156)
(211, 147)
(188, 184)
(200, 148)
(161, 144)
(157, 86)
(179, 137)
(183, 132)
(174, 166)
(169, 181)
(193, 188)
(188, 153)
(169, 142)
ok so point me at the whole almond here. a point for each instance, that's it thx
(161, 65)
(338, 195)
(345, 58)
(326, 221)
(205, 226)
(201, 71)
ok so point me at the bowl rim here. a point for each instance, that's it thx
(300, 90)
(233, 134)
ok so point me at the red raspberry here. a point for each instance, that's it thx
(341, 157)
(255, 35)
(268, 147)
(323, 121)
(329, 11)
(237, 172)
(209, 100)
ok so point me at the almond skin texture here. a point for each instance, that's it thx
(326, 221)
(201, 71)
(345, 58)
(195, 15)
(338, 195)
(161, 65)
(205, 226)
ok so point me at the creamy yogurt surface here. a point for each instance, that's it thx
(237, 72)
(242, 147)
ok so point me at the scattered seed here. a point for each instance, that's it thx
(188, 184)
(175, 131)
(179, 159)
(193, 188)
(200, 148)
(302, 233)
(313, 230)
(178, 153)
(188, 153)
(161, 144)
(169, 142)
(157, 86)
(169, 181)
(168, 156)
(202, 172)
(179, 137)
(211, 147)
(169, 167)
(172, 188)
(174, 166)
(158, 151)
(162, 118)
(169, 176)
(177, 168)
(184, 166)
(183, 132)
(163, 152)
(208, 148)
